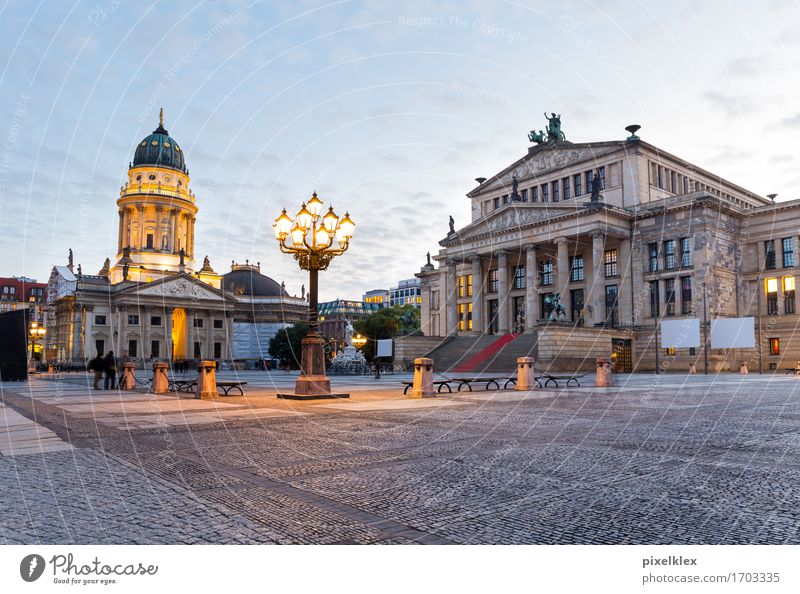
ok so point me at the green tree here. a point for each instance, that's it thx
(286, 345)
(385, 323)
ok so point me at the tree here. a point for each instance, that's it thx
(286, 345)
(385, 323)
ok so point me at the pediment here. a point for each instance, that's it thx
(509, 218)
(180, 288)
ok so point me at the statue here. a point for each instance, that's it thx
(452, 225)
(554, 132)
(125, 271)
(596, 183)
(537, 137)
(69, 259)
(206, 262)
(80, 270)
(283, 287)
(182, 254)
(515, 189)
(126, 252)
(429, 259)
(557, 311)
(302, 292)
(348, 334)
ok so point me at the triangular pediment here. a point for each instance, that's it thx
(511, 216)
(540, 160)
(181, 286)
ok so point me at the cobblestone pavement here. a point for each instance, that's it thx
(669, 459)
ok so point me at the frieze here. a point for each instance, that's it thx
(179, 289)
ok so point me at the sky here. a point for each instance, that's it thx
(389, 110)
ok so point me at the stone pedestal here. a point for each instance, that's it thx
(423, 378)
(743, 368)
(206, 380)
(128, 380)
(526, 374)
(160, 383)
(603, 376)
(312, 384)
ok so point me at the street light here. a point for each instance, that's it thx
(359, 341)
(35, 333)
(310, 238)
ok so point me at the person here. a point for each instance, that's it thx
(110, 365)
(97, 365)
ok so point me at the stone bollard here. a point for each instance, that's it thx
(692, 369)
(160, 384)
(743, 368)
(206, 380)
(603, 377)
(51, 368)
(423, 378)
(526, 374)
(127, 381)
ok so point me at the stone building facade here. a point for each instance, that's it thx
(656, 236)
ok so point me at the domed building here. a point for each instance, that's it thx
(153, 302)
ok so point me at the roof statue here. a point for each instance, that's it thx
(554, 133)
(161, 117)
(596, 183)
(106, 266)
(69, 259)
(429, 259)
(452, 225)
(182, 254)
(537, 137)
(515, 189)
(303, 292)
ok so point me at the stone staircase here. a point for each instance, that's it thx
(471, 355)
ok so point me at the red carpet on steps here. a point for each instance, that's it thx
(486, 354)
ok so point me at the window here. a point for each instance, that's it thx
(661, 177)
(524, 195)
(602, 172)
(505, 198)
(496, 203)
(589, 176)
(492, 281)
(669, 296)
(155, 320)
(534, 194)
(576, 180)
(772, 296)
(546, 272)
(555, 190)
(197, 354)
(686, 294)
(565, 188)
(217, 350)
(465, 316)
(100, 320)
(769, 250)
(669, 254)
(197, 322)
(673, 186)
(149, 241)
(686, 252)
(610, 260)
(576, 269)
(611, 305)
(155, 349)
(133, 320)
(99, 346)
(655, 304)
(576, 305)
(218, 324)
(788, 294)
(774, 346)
(544, 193)
(788, 252)
(652, 251)
(464, 286)
(132, 348)
(519, 277)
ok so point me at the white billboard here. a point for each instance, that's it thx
(384, 348)
(680, 334)
(733, 333)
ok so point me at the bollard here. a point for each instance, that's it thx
(692, 369)
(206, 380)
(160, 384)
(743, 368)
(526, 374)
(603, 377)
(51, 368)
(423, 378)
(128, 380)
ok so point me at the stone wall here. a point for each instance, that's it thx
(570, 348)
(410, 347)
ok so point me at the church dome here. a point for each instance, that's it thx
(246, 280)
(160, 150)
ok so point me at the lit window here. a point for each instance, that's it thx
(774, 346)
(610, 260)
(772, 296)
(788, 295)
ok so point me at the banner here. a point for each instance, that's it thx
(384, 348)
(680, 334)
(733, 333)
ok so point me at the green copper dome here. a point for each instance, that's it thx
(159, 149)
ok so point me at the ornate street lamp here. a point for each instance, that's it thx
(359, 341)
(35, 333)
(310, 238)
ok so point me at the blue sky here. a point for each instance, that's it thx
(387, 109)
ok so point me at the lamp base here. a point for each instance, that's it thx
(312, 384)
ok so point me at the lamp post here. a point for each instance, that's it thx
(35, 333)
(310, 238)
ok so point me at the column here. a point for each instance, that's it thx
(209, 353)
(126, 223)
(140, 213)
(176, 225)
(190, 236)
(166, 346)
(120, 241)
(562, 272)
(477, 295)
(145, 325)
(597, 288)
(122, 322)
(625, 268)
(762, 255)
(531, 292)
(502, 292)
(450, 295)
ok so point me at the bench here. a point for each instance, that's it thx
(548, 377)
(441, 383)
(468, 381)
(226, 387)
(512, 381)
(793, 371)
(183, 385)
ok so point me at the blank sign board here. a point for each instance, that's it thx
(733, 333)
(384, 348)
(680, 334)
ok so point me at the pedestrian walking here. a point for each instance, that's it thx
(98, 366)
(110, 365)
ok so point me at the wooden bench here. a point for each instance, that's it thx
(468, 381)
(441, 383)
(226, 387)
